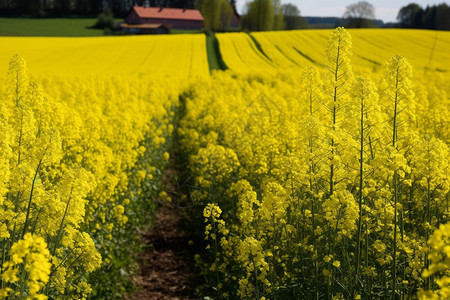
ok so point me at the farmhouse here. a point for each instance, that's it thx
(176, 18)
(144, 28)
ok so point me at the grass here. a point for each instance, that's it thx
(49, 27)
(185, 31)
(59, 27)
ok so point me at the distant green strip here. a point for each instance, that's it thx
(48, 27)
(306, 56)
(215, 60)
(258, 46)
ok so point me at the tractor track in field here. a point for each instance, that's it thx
(167, 268)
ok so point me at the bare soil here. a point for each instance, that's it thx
(166, 267)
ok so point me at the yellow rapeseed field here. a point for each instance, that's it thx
(425, 49)
(80, 158)
(179, 55)
(241, 54)
(317, 166)
(327, 182)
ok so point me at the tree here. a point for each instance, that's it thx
(436, 17)
(290, 10)
(226, 14)
(83, 7)
(432, 17)
(360, 15)
(233, 4)
(443, 17)
(292, 18)
(217, 14)
(105, 20)
(410, 15)
(262, 15)
(429, 18)
(278, 22)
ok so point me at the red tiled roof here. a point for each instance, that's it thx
(168, 13)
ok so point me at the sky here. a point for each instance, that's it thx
(385, 10)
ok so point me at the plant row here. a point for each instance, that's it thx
(81, 163)
(329, 184)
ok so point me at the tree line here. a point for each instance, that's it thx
(258, 15)
(431, 17)
(43, 8)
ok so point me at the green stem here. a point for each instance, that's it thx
(360, 198)
(256, 279)
(20, 140)
(335, 97)
(58, 239)
(394, 264)
(394, 141)
(427, 234)
(31, 198)
(394, 130)
(3, 261)
(22, 282)
(402, 232)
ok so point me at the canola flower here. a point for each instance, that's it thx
(32, 252)
(440, 264)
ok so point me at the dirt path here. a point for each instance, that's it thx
(166, 270)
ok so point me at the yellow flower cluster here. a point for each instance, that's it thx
(440, 263)
(215, 163)
(32, 254)
(215, 224)
(341, 211)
